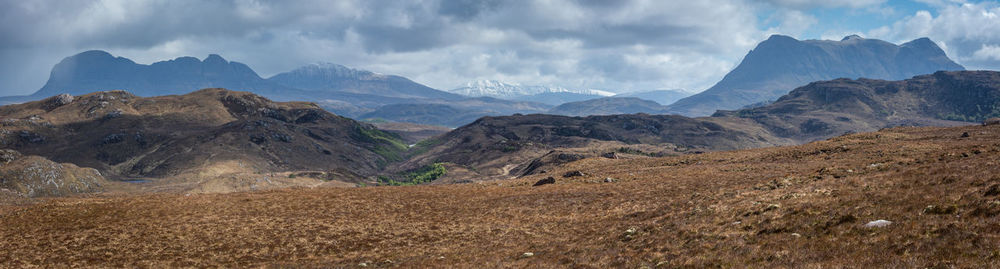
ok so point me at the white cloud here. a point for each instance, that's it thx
(805, 4)
(987, 53)
(966, 31)
(791, 22)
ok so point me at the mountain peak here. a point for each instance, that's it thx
(94, 54)
(490, 83)
(921, 42)
(851, 37)
(780, 38)
(214, 58)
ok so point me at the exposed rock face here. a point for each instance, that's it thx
(34, 176)
(545, 181)
(781, 63)
(58, 101)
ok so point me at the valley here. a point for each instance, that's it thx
(791, 206)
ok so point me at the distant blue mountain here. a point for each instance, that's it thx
(339, 89)
(557, 98)
(664, 97)
(781, 63)
(96, 70)
(328, 77)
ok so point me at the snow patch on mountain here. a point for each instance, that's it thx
(505, 90)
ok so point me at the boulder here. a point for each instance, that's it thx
(545, 181)
(58, 101)
(878, 223)
(8, 155)
(573, 174)
(991, 121)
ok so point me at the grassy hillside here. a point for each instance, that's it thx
(798, 206)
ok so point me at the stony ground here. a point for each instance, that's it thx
(802, 206)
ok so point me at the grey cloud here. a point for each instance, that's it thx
(465, 10)
(441, 43)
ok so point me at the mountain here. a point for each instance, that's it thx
(452, 113)
(780, 63)
(432, 114)
(828, 108)
(556, 98)
(342, 90)
(510, 146)
(95, 70)
(328, 77)
(664, 97)
(608, 106)
(502, 90)
(204, 135)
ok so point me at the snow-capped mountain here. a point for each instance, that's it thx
(504, 90)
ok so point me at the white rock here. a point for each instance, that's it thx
(878, 223)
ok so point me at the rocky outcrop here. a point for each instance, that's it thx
(34, 176)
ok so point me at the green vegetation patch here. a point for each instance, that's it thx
(424, 146)
(425, 174)
(388, 145)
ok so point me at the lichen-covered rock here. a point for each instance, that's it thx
(58, 101)
(34, 176)
(8, 155)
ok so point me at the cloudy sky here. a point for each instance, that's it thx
(616, 45)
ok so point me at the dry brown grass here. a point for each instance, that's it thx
(801, 206)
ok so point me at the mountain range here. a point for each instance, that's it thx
(339, 89)
(511, 146)
(773, 68)
(549, 95)
(781, 63)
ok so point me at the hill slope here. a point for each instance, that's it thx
(663, 97)
(203, 134)
(608, 106)
(763, 208)
(781, 63)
